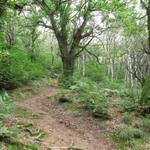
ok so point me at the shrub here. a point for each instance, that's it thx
(92, 97)
(88, 94)
(65, 82)
(109, 92)
(84, 85)
(129, 105)
(55, 67)
(17, 69)
(45, 59)
(96, 72)
(127, 133)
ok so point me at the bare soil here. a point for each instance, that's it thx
(63, 128)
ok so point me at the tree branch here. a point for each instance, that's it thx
(78, 34)
(43, 24)
(93, 55)
(144, 4)
(83, 48)
(87, 34)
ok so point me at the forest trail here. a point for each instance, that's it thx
(63, 128)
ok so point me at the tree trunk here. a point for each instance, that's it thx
(83, 64)
(68, 65)
(112, 69)
(148, 20)
(3, 7)
(10, 31)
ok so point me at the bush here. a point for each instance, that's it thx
(127, 133)
(88, 94)
(55, 67)
(17, 69)
(65, 82)
(45, 59)
(110, 92)
(92, 97)
(129, 105)
(98, 104)
(84, 85)
(95, 72)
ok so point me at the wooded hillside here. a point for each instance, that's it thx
(70, 65)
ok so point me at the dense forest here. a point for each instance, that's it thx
(75, 74)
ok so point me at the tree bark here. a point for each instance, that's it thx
(68, 65)
(10, 31)
(148, 25)
(83, 64)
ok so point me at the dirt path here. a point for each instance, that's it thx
(63, 128)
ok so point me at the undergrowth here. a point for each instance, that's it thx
(95, 97)
(88, 95)
(17, 69)
(6, 107)
(9, 135)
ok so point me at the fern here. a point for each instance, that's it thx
(6, 105)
